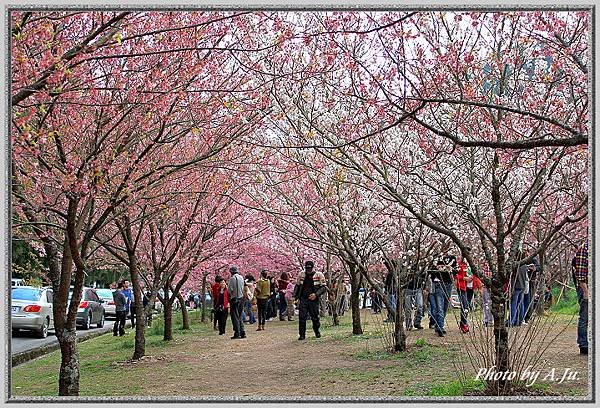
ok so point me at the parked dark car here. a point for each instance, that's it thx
(90, 310)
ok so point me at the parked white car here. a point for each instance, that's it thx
(31, 309)
(109, 303)
(17, 282)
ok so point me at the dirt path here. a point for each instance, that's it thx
(273, 363)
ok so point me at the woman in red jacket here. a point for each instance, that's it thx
(221, 306)
(464, 286)
(214, 292)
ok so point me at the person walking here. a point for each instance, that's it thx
(236, 303)
(120, 310)
(221, 306)
(307, 293)
(580, 279)
(262, 293)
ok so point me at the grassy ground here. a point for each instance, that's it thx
(273, 363)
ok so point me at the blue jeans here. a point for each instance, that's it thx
(516, 307)
(440, 303)
(431, 301)
(486, 301)
(392, 313)
(447, 291)
(247, 311)
(526, 304)
(282, 305)
(582, 323)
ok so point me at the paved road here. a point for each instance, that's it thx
(25, 341)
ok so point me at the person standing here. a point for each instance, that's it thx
(440, 295)
(282, 283)
(390, 291)
(464, 286)
(289, 299)
(236, 303)
(319, 279)
(262, 293)
(248, 298)
(307, 293)
(221, 306)
(129, 295)
(413, 292)
(120, 310)
(214, 292)
(375, 301)
(580, 279)
(272, 302)
(518, 282)
(449, 269)
(486, 299)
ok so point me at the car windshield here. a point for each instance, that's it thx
(26, 294)
(104, 293)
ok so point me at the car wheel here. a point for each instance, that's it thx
(101, 322)
(42, 333)
(88, 321)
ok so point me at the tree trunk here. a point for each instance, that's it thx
(140, 313)
(168, 313)
(399, 333)
(68, 377)
(168, 320)
(501, 357)
(203, 299)
(354, 301)
(185, 317)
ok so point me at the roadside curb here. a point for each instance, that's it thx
(29, 355)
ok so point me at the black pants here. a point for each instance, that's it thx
(132, 315)
(261, 305)
(236, 305)
(221, 319)
(119, 326)
(308, 308)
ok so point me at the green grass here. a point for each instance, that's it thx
(446, 389)
(103, 358)
(567, 304)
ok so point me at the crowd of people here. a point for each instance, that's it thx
(426, 292)
(240, 297)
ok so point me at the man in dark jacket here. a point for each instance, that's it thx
(308, 291)
(413, 293)
(120, 310)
